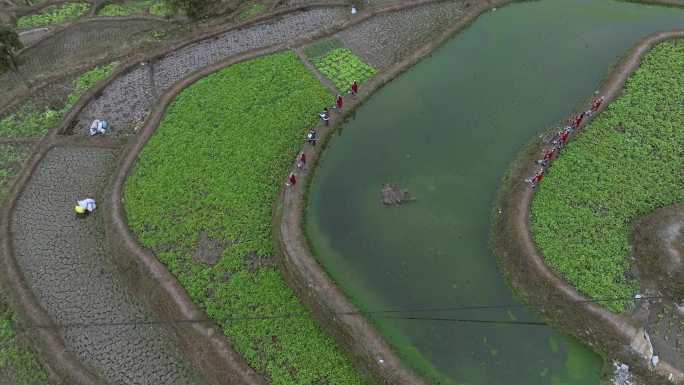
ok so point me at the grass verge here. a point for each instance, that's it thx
(627, 163)
(54, 15)
(239, 130)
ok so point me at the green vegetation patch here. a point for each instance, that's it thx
(252, 11)
(11, 157)
(625, 164)
(54, 15)
(161, 9)
(31, 121)
(342, 67)
(18, 363)
(125, 9)
(206, 183)
(322, 47)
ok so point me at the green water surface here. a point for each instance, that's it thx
(446, 130)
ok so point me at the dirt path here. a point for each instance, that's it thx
(513, 243)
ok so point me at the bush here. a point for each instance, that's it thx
(625, 164)
(54, 15)
(342, 67)
(212, 170)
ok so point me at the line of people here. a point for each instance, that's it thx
(560, 140)
(312, 136)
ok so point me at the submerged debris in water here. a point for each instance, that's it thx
(391, 194)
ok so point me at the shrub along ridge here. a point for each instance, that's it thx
(207, 179)
(627, 163)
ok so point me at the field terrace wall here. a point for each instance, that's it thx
(330, 305)
(513, 243)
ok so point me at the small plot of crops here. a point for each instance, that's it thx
(252, 11)
(201, 197)
(628, 162)
(342, 67)
(54, 15)
(126, 9)
(31, 121)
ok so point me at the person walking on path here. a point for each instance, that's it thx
(291, 180)
(325, 116)
(354, 88)
(311, 137)
(564, 136)
(301, 162)
(339, 102)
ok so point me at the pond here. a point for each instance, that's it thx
(446, 130)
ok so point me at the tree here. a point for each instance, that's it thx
(9, 44)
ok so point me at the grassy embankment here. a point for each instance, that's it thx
(53, 15)
(209, 176)
(627, 162)
(18, 361)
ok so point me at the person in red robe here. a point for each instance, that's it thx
(354, 88)
(564, 136)
(292, 180)
(339, 102)
(302, 160)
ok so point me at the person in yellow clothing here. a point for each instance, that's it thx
(85, 207)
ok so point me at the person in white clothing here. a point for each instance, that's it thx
(98, 127)
(85, 206)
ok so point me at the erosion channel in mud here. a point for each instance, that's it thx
(446, 131)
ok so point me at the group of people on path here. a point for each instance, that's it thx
(312, 136)
(560, 140)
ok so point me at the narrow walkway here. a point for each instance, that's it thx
(64, 260)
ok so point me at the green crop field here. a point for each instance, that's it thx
(342, 67)
(212, 171)
(625, 164)
(31, 121)
(54, 15)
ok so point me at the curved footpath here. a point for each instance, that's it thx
(90, 274)
(524, 264)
